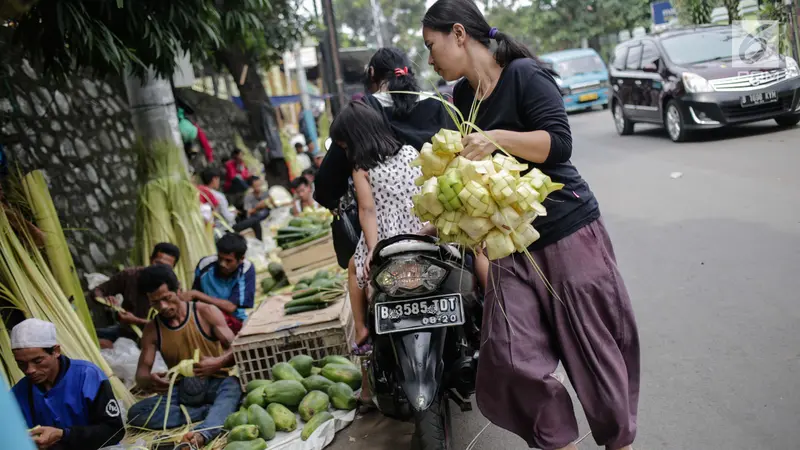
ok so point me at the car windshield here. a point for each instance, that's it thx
(714, 45)
(579, 66)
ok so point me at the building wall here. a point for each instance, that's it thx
(79, 132)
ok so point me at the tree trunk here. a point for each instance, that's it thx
(252, 91)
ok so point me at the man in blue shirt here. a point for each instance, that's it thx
(69, 402)
(226, 280)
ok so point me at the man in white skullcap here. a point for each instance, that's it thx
(67, 403)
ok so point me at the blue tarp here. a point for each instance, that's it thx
(283, 99)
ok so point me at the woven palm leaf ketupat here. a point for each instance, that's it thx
(27, 283)
(58, 256)
(169, 209)
(479, 203)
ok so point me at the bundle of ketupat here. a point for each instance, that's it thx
(476, 202)
(27, 284)
(169, 209)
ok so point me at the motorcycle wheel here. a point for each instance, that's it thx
(432, 427)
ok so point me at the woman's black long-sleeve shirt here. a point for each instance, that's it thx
(527, 98)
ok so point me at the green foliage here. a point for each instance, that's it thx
(109, 36)
(549, 25)
(65, 35)
(733, 9)
(263, 29)
(402, 22)
(694, 12)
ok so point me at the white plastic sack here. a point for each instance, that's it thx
(138, 445)
(257, 254)
(123, 359)
(321, 438)
(95, 279)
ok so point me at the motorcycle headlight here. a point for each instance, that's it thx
(792, 70)
(410, 273)
(694, 83)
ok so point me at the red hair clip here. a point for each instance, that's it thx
(401, 72)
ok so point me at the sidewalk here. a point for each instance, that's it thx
(373, 431)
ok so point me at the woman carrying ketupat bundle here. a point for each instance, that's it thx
(585, 318)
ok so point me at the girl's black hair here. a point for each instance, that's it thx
(446, 13)
(367, 136)
(384, 63)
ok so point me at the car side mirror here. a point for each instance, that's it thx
(650, 67)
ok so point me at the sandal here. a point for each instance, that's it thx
(362, 350)
(364, 406)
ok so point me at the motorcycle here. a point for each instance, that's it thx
(424, 319)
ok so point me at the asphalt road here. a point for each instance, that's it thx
(712, 262)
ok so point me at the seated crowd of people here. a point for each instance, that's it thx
(69, 404)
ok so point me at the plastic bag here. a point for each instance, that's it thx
(138, 445)
(95, 279)
(123, 359)
(257, 254)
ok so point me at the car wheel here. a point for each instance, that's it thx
(788, 121)
(624, 126)
(674, 122)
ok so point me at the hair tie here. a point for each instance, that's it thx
(492, 33)
(401, 72)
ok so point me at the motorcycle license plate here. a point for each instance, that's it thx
(419, 313)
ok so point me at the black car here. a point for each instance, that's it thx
(699, 78)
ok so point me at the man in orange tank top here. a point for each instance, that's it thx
(179, 328)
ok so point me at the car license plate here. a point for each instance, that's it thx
(418, 313)
(758, 98)
(588, 97)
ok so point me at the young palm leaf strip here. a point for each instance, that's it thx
(59, 257)
(169, 209)
(28, 285)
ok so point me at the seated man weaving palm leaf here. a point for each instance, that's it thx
(179, 328)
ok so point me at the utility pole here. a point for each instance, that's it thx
(302, 82)
(376, 22)
(333, 44)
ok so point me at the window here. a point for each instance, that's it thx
(711, 45)
(650, 53)
(620, 54)
(634, 58)
(580, 66)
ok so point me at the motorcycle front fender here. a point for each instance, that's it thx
(419, 357)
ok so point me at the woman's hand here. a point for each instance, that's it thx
(477, 146)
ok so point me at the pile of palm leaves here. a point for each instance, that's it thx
(28, 285)
(169, 209)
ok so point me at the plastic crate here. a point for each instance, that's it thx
(315, 334)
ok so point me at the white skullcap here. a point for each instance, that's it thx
(33, 333)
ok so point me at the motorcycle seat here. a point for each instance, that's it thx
(417, 246)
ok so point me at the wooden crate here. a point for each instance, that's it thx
(315, 255)
(269, 337)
